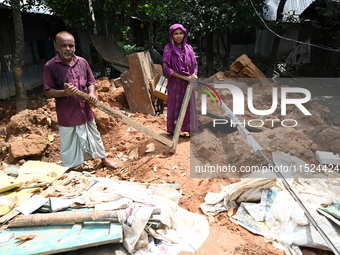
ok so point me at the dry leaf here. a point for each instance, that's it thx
(54, 195)
(23, 238)
(35, 190)
(52, 174)
(150, 147)
(62, 188)
(133, 154)
(37, 179)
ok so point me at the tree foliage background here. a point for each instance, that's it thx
(206, 21)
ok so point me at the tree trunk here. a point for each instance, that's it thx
(226, 47)
(334, 56)
(21, 97)
(210, 53)
(99, 15)
(200, 59)
(276, 42)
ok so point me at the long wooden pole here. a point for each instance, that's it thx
(181, 116)
(107, 109)
(41, 219)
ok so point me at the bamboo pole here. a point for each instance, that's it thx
(40, 219)
(107, 109)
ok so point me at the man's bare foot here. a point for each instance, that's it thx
(109, 163)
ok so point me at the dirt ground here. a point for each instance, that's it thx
(157, 166)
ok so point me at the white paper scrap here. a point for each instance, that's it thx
(113, 205)
(31, 204)
(6, 237)
(58, 204)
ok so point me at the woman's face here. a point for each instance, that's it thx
(178, 35)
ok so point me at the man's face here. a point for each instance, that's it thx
(66, 47)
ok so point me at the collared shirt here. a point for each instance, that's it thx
(71, 110)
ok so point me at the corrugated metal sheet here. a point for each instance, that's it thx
(42, 9)
(291, 5)
(32, 76)
(111, 52)
(60, 238)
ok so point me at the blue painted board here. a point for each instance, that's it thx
(59, 238)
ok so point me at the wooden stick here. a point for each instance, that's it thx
(107, 109)
(40, 219)
(181, 116)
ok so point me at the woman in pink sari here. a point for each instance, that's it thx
(180, 65)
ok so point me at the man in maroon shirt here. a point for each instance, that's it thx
(78, 130)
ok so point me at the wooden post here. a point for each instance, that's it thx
(181, 116)
(107, 109)
(41, 219)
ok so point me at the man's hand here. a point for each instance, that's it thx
(70, 90)
(92, 93)
(92, 97)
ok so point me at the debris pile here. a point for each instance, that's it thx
(266, 208)
(144, 217)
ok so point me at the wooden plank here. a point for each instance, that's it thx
(181, 116)
(154, 82)
(146, 64)
(118, 82)
(136, 86)
(8, 216)
(161, 89)
(157, 69)
(107, 109)
(161, 95)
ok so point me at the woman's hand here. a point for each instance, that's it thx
(192, 78)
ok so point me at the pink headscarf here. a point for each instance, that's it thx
(189, 56)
